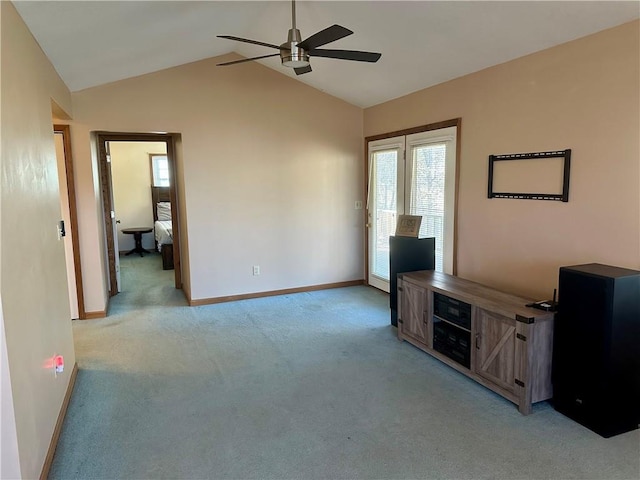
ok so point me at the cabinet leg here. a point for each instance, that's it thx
(525, 408)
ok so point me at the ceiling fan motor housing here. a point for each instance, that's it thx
(290, 54)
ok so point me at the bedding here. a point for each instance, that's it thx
(161, 200)
(163, 211)
(164, 233)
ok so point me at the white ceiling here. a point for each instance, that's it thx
(423, 43)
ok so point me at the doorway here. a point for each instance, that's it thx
(412, 172)
(62, 138)
(110, 215)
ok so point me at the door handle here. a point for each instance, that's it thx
(477, 341)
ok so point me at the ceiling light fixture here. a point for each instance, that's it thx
(295, 53)
(290, 54)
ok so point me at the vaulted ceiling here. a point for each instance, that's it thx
(423, 43)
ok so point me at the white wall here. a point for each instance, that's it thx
(33, 282)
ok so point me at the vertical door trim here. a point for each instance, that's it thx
(107, 204)
(455, 122)
(65, 131)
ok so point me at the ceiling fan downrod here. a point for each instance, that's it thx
(293, 14)
(290, 54)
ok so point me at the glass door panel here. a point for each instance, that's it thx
(427, 192)
(382, 211)
(431, 187)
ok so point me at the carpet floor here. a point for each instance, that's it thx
(303, 386)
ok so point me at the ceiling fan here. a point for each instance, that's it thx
(295, 53)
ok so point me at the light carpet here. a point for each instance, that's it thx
(303, 386)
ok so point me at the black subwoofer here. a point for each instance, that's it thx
(596, 352)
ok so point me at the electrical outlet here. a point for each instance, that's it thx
(256, 269)
(358, 204)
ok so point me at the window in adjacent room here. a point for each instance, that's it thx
(160, 170)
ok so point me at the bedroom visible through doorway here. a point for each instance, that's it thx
(141, 219)
(136, 202)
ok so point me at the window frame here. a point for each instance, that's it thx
(455, 122)
(152, 166)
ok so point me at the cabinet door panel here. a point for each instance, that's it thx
(413, 312)
(495, 349)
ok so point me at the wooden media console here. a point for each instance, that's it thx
(488, 335)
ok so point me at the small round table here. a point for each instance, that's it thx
(137, 236)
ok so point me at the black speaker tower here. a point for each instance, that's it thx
(408, 254)
(596, 352)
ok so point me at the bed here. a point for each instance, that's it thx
(163, 228)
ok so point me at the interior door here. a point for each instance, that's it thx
(385, 202)
(114, 223)
(62, 135)
(66, 217)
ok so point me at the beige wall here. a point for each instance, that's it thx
(583, 95)
(33, 281)
(131, 181)
(270, 171)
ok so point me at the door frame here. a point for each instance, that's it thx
(107, 195)
(65, 131)
(454, 122)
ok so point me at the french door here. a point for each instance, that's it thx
(414, 175)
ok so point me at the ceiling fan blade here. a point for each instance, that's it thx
(247, 60)
(328, 35)
(301, 70)
(246, 40)
(347, 55)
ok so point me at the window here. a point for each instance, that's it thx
(159, 170)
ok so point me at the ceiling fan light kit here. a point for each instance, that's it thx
(290, 54)
(295, 53)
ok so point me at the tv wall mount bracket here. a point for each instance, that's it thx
(562, 197)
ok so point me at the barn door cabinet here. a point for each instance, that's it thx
(510, 345)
